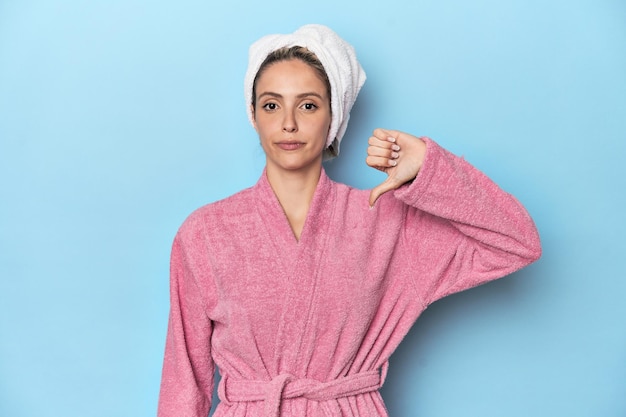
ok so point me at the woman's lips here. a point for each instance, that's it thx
(290, 145)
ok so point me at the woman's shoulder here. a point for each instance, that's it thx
(229, 205)
(349, 194)
(225, 210)
(346, 191)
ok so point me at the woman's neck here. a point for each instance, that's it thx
(294, 190)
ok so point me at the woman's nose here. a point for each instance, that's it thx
(289, 123)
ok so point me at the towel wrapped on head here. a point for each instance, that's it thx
(345, 74)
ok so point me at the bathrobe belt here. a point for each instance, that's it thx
(287, 386)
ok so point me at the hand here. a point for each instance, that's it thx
(398, 154)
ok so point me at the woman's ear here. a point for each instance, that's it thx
(253, 116)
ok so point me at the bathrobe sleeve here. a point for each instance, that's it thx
(188, 369)
(461, 229)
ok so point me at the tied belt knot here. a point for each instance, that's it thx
(287, 386)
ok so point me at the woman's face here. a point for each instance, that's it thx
(292, 115)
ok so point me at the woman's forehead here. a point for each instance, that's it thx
(291, 75)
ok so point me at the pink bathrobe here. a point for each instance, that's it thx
(305, 328)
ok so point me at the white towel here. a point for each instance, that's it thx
(338, 57)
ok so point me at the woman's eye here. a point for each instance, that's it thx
(270, 106)
(310, 106)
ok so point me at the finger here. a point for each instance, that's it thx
(382, 152)
(383, 149)
(387, 134)
(388, 185)
(386, 142)
(380, 162)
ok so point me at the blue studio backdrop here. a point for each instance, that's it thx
(120, 117)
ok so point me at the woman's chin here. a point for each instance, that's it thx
(295, 162)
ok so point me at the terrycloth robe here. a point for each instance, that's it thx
(305, 328)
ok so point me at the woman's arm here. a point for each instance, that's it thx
(461, 229)
(188, 369)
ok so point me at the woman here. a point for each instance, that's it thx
(300, 288)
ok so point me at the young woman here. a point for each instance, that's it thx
(299, 289)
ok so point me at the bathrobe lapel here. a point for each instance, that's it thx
(301, 262)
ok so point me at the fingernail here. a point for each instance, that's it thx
(395, 154)
(391, 139)
(393, 162)
(395, 147)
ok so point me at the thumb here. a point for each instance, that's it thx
(387, 185)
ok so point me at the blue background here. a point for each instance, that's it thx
(118, 118)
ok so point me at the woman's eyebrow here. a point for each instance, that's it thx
(271, 94)
(312, 93)
(301, 95)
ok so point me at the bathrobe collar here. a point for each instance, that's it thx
(318, 217)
